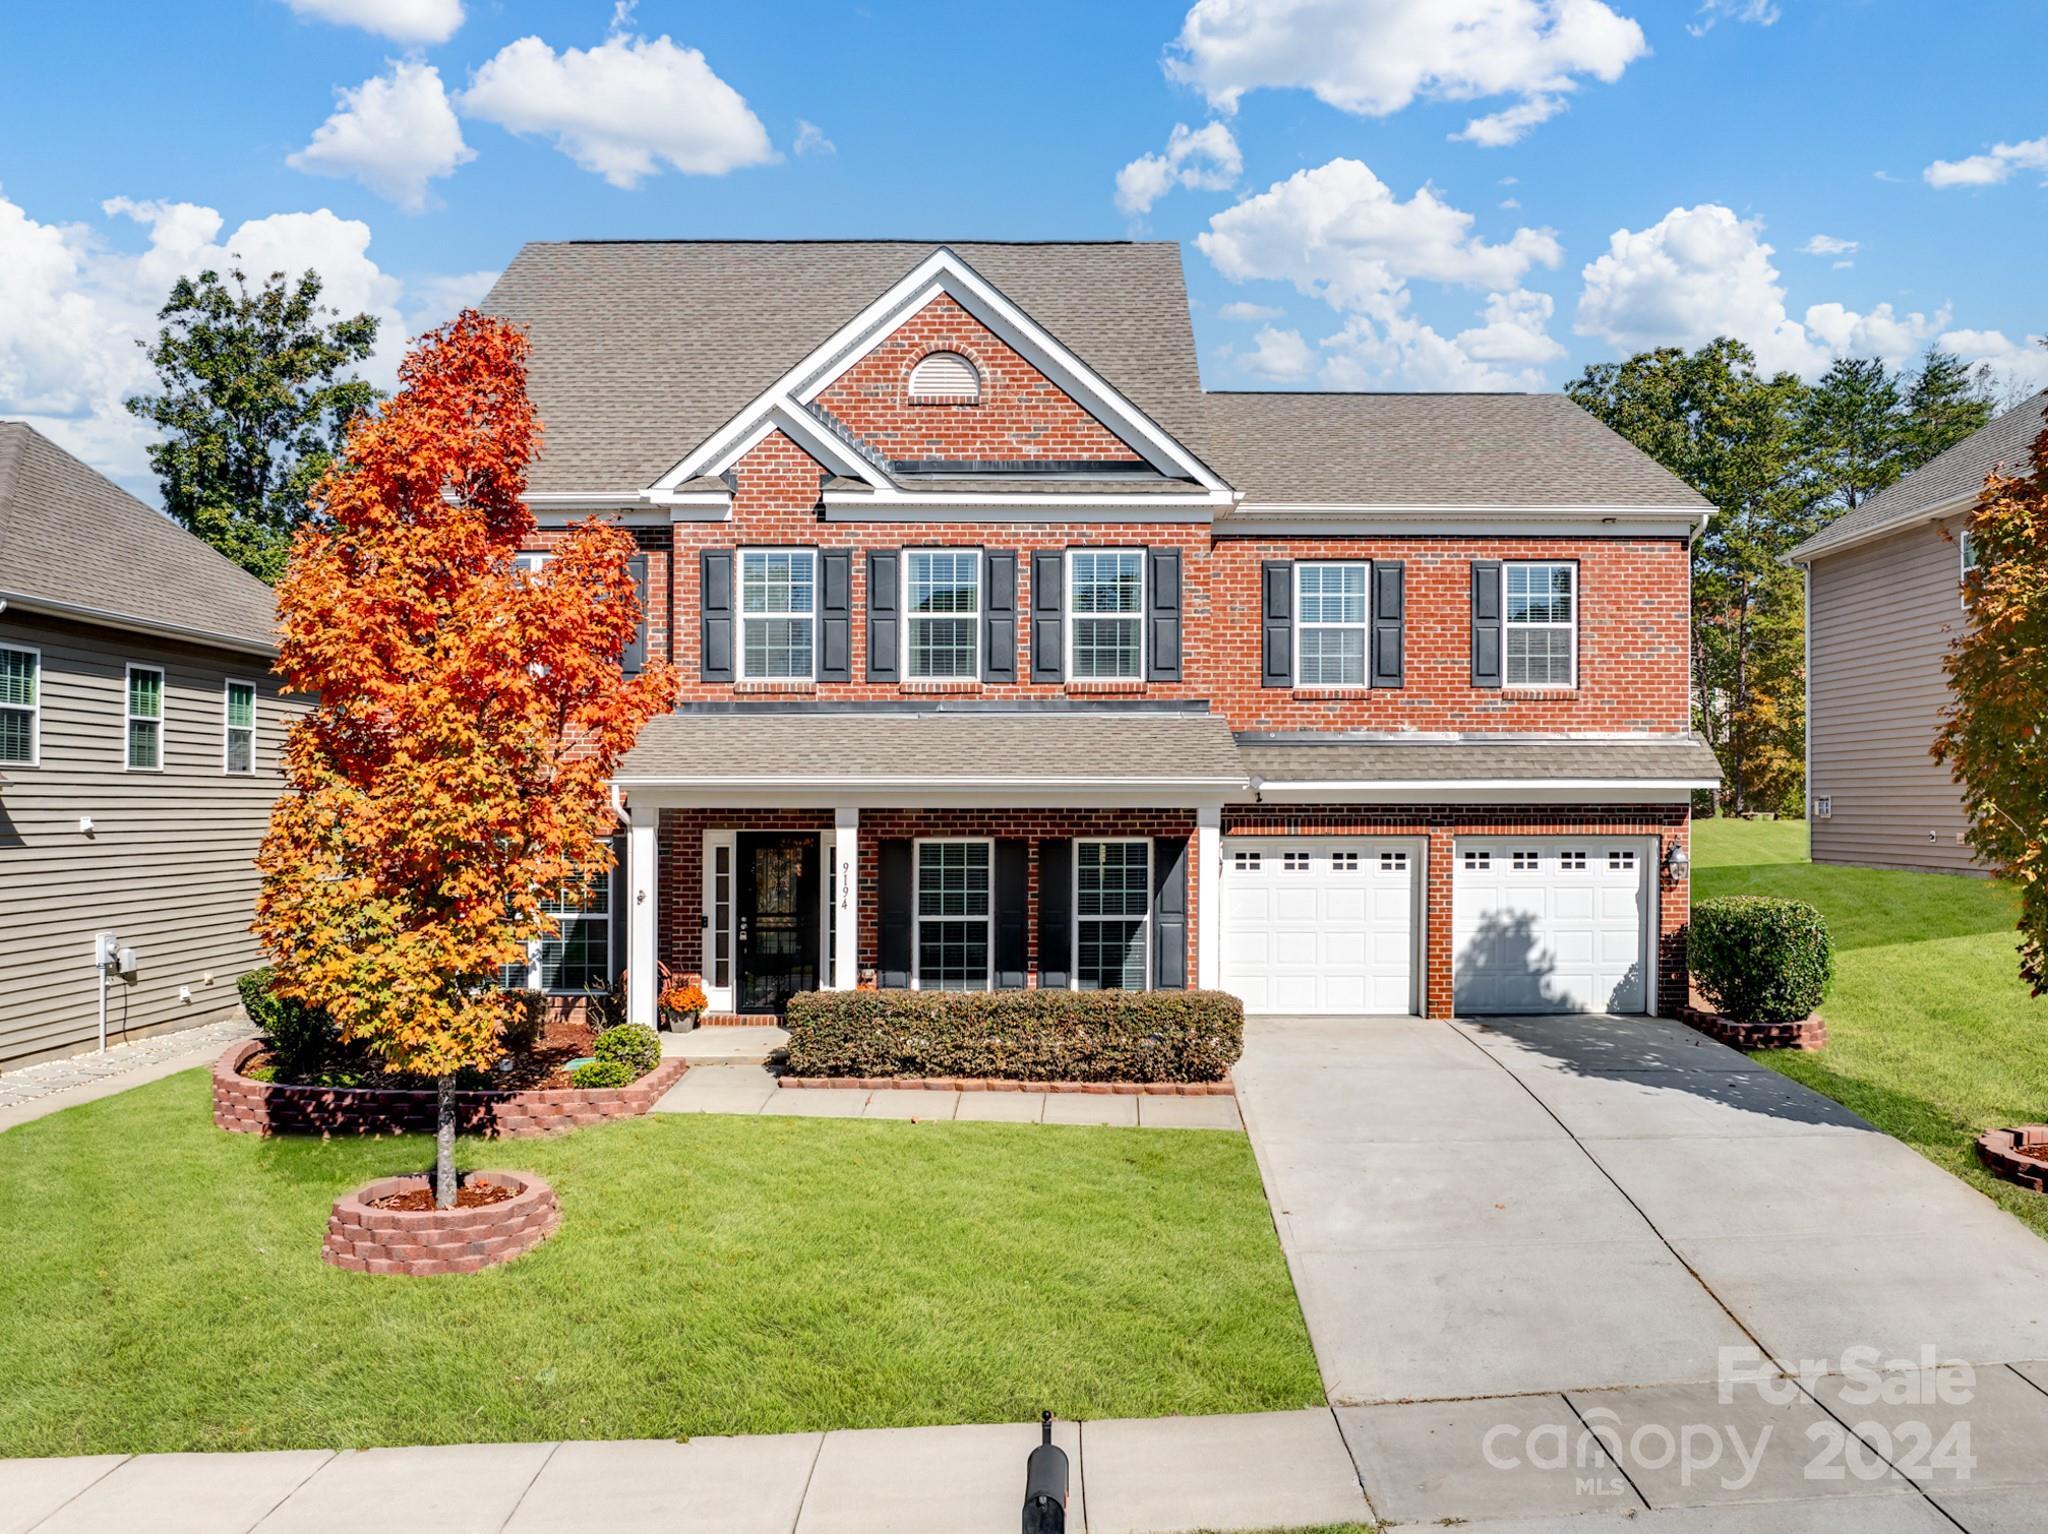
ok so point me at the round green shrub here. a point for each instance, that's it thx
(303, 1042)
(1760, 959)
(632, 1045)
(603, 1073)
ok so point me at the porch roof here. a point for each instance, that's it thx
(912, 751)
(1452, 769)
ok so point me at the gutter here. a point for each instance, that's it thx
(106, 618)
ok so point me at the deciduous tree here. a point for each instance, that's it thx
(469, 718)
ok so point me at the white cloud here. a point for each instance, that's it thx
(1202, 159)
(1699, 273)
(403, 21)
(623, 109)
(1828, 245)
(1244, 311)
(1497, 130)
(1375, 57)
(1989, 169)
(2023, 362)
(1507, 352)
(1763, 12)
(394, 133)
(1338, 233)
(1279, 355)
(810, 139)
(434, 300)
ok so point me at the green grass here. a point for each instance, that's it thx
(162, 1288)
(1931, 1033)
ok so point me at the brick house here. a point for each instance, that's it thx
(1013, 658)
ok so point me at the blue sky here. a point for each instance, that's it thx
(1370, 193)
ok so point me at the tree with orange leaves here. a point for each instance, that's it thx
(456, 767)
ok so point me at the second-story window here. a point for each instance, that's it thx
(239, 751)
(1542, 625)
(145, 735)
(943, 604)
(20, 705)
(1105, 605)
(778, 614)
(1330, 624)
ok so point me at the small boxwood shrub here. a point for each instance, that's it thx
(303, 1042)
(1016, 1035)
(633, 1045)
(1760, 959)
(604, 1073)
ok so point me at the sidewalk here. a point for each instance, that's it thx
(34, 1091)
(1272, 1470)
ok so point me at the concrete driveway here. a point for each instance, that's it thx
(1592, 1214)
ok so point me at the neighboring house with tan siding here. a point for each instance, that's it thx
(140, 733)
(1883, 602)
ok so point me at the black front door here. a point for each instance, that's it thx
(777, 916)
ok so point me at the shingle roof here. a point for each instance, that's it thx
(1106, 747)
(2008, 441)
(642, 349)
(1678, 760)
(72, 538)
(1428, 450)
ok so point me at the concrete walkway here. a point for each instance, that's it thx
(34, 1091)
(1504, 1233)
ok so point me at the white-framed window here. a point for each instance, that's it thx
(1330, 613)
(778, 615)
(1966, 561)
(1572, 862)
(1106, 614)
(238, 727)
(577, 960)
(1542, 625)
(942, 601)
(531, 561)
(1112, 915)
(1393, 862)
(955, 921)
(946, 376)
(143, 738)
(1823, 806)
(21, 705)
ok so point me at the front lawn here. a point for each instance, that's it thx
(1931, 1034)
(162, 1286)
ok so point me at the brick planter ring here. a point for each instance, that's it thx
(244, 1106)
(2006, 1153)
(424, 1242)
(1809, 1033)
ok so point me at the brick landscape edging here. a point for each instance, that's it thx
(424, 1242)
(1809, 1033)
(245, 1106)
(1999, 1150)
(1224, 1088)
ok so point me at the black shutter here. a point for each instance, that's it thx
(1055, 913)
(835, 616)
(633, 659)
(1486, 623)
(999, 617)
(895, 897)
(715, 602)
(621, 908)
(1013, 913)
(1277, 588)
(1162, 609)
(1389, 579)
(1048, 616)
(885, 621)
(1170, 913)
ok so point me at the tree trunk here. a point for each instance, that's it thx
(444, 1143)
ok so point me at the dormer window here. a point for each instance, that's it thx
(945, 378)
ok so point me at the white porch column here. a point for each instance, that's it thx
(1209, 897)
(846, 919)
(643, 977)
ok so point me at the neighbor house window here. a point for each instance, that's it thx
(21, 683)
(778, 614)
(943, 603)
(1105, 604)
(953, 904)
(145, 718)
(240, 753)
(1112, 914)
(1542, 626)
(1329, 629)
(577, 960)
(531, 561)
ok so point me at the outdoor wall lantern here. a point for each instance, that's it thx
(1676, 863)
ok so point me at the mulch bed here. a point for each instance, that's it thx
(471, 1195)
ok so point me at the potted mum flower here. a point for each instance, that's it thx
(682, 1005)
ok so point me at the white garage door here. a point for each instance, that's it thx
(1550, 924)
(1320, 924)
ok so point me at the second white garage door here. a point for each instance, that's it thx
(1320, 924)
(1542, 924)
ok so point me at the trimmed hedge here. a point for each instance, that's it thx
(1760, 959)
(1128, 1036)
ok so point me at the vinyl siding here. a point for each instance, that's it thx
(169, 866)
(1880, 620)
